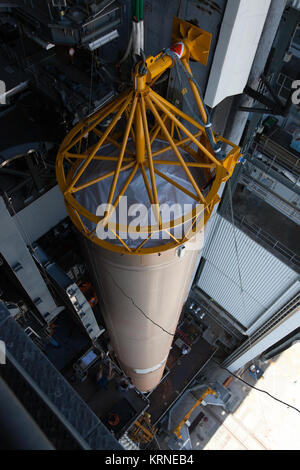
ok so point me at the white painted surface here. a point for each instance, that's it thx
(42, 214)
(151, 369)
(15, 252)
(238, 41)
(275, 335)
(259, 422)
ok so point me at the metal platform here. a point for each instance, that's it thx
(128, 405)
(57, 399)
(183, 370)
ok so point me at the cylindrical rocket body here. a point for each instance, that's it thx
(142, 281)
(142, 297)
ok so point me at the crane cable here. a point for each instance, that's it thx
(182, 71)
(242, 293)
(255, 388)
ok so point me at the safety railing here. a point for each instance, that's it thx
(269, 240)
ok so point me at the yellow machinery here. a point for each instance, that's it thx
(194, 43)
(177, 430)
(143, 146)
(142, 431)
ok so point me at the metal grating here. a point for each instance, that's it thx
(285, 207)
(51, 386)
(267, 240)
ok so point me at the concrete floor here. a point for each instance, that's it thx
(255, 420)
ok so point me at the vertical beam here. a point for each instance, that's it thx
(139, 134)
(150, 159)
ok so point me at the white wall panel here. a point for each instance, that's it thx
(42, 214)
(238, 41)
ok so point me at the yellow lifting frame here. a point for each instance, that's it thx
(133, 104)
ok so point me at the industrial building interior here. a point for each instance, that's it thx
(143, 343)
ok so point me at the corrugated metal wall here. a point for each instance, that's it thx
(242, 276)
